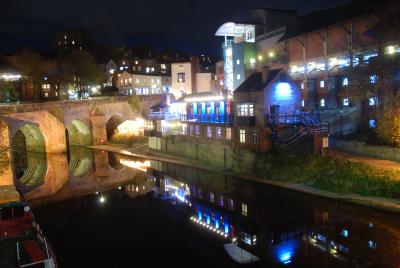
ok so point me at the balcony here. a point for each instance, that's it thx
(163, 115)
(203, 118)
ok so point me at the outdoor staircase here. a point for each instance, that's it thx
(304, 124)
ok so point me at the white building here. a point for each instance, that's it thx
(141, 84)
(183, 78)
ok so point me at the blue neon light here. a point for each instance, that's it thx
(212, 109)
(194, 108)
(203, 108)
(285, 251)
(208, 219)
(283, 89)
(200, 215)
(226, 228)
(217, 224)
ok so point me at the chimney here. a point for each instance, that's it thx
(264, 73)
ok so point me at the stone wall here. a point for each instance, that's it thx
(360, 148)
(216, 153)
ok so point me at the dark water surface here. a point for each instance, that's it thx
(99, 209)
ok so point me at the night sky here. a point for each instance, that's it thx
(181, 24)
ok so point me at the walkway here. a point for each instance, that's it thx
(374, 162)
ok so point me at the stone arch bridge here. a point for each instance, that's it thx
(51, 126)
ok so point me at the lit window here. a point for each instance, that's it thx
(252, 61)
(244, 209)
(218, 133)
(245, 109)
(137, 80)
(181, 77)
(372, 101)
(209, 132)
(372, 244)
(237, 61)
(191, 128)
(248, 239)
(147, 69)
(391, 49)
(136, 62)
(345, 81)
(231, 204)
(197, 131)
(228, 132)
(152, 69)
(73, 42)
(163, 66)
(322, 102)
(221, 201)
(372, 123)
(121, 68)
(322, 84)
(302, 103)
(345, 233)
(221, 82)
(65, 37)
(212, 197)
(373, 79)
(254, 136)
(242, 135)
(346, 102)
(238, 76)
(302, 85)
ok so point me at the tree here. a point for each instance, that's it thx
(80, 69)
(33, 67)
(8, 91)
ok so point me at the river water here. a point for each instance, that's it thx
(100, 209)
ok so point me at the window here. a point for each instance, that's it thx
(191, 130)
(209, 132)
(218, 132)
(237, 61)
(248, 239)
(322, 84)
(254, 136)
(181, 77)
(302, 103)
(345, 81)
(373, 79)
(244, 209)
(252, 61)
(231, 204)
(152, 69)
(242, 135)
(302, 85)
(322, 103)
(212, 197)
(372, 123)
(147, 69)
(163, 66)
(372, 244)
(346, 102)
(197, 131)
(345, 233)
(238, 76)
(228, 132)
(372, 101)
(245, 109)
(221, 201)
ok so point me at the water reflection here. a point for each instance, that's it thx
(29, 168)
(280, 227)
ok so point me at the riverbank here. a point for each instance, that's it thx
(299, 173)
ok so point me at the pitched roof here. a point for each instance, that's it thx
(255, 83)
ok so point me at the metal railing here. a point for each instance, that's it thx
(203, 118)
(163, 115)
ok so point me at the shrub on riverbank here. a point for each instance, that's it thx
(331, 174)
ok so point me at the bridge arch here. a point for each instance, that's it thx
(30, 169)
(80, 161)
(112, 125)
(78, 133)
(29, 138)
